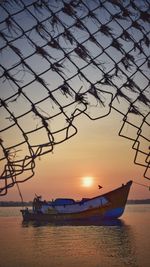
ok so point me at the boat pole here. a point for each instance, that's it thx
(19, 191)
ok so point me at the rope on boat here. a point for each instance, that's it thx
(142, 185)
(20, 194)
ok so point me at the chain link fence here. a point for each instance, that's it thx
(64, 59)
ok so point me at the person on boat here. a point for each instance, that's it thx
(37, 203)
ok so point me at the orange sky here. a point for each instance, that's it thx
(95, 151)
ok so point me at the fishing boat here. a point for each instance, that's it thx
(110, 205)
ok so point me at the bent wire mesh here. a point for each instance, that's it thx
(62, 59)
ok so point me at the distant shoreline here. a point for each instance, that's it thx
(18, 204)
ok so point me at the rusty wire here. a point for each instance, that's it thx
(62, 59)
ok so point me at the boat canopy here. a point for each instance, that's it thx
(63, 201)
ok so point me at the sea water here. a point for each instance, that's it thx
(120, 243)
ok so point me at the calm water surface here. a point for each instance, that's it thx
(125, 242)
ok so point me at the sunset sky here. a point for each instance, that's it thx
(96, 151)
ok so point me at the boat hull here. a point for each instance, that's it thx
(113, 209)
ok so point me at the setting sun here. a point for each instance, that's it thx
(87, 181)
